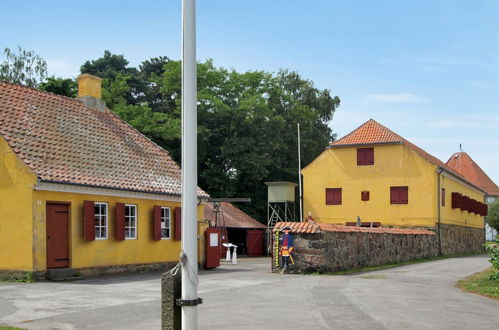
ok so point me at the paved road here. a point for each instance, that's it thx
(247, 296)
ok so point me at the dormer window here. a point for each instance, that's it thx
(365, 156)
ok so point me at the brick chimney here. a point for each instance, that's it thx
(89, 91)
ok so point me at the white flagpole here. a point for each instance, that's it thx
(299, 176)
(189, 165)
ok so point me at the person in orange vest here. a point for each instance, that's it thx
(287, 248)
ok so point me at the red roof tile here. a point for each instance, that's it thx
(299, 227)
(311, 228)
(462, 163)
(372, 132)
(64, 141)
(233, 217)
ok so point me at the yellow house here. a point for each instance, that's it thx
(376, 175)
(80, 188)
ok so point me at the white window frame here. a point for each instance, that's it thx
(163, 222)
(102, 216)
(130, 217)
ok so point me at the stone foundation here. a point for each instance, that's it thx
(461, 240)
(335, 251)
(121, 269)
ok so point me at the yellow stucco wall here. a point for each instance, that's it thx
(451, 216)
(108, 251)
(394, 165)
(16, 212)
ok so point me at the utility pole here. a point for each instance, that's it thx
(299, 176)
(189, 256)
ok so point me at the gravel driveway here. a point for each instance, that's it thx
(248, 296)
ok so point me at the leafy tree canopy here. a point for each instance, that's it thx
(66, 87)
(23, 67)
(246, 121)
(493, 216)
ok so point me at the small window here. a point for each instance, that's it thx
(130, 221)
(165, 223)
(100, 220)
(399, 195)
(365, 156)
(364, 195)
(443, 197)
(333, 196)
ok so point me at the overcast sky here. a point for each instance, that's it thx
(429, 70)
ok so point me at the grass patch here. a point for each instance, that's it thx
(2, 327)
(479, 283)
(17, 276)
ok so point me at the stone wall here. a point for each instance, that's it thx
(461, 240)
(336, 251)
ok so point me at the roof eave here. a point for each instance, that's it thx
(116, 188)
(362, 144)
(442, 169)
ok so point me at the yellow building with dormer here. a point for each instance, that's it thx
(375, 175)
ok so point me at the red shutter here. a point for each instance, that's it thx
(404, 195)
(337, 196)
(485, 210)
(88, 221)
(443, 197)
(399, 195)
(333, 196)
(156, 223)
(119, 231)
(365, 156)
(329, 196)
(454, 200)
(364, 195)
(178, 223)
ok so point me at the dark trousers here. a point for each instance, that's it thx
(285, 261)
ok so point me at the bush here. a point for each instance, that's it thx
(493, 251)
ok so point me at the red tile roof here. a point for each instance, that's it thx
(233, 217)
(462, 163)
(311, 228)
(64, 141)
(372, 132)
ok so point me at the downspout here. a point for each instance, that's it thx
(439, 202)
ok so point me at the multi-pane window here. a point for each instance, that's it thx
(399, 195)
(130, 221)
(365, 156)
(333, 196)
(165, 223)
(100, 220)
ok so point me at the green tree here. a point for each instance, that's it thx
(493, 215)
(24, 67)
(246, 121)
(66, 87)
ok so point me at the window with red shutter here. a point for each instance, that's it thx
(365, 156)
(443, 197)
(88, 221)
(399, 195)
(364, 195)
(119, 228)
(333, 196)
(156, 223)
(178, 223)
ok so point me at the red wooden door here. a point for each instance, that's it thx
(254, 243)
(57, 236)
(212, 247)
